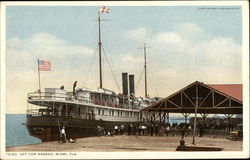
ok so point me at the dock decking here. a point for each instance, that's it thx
(127, 143)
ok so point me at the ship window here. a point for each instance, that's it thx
(118, 113)
(126, 113)
(102, 112)
(99, 111)
(121, 113)
(131, 114)
(112, 112)
(109, 112)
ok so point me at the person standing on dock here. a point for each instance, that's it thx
(201, 130)
(190, 129)
(116, 129)
(156, 129)
(167, 130)
(143, 129)
(129, 129)
(151, 129)
(122, 129)
(183, 129)
(182, 141)
(139, 129)
(134, 130)
(63, 134)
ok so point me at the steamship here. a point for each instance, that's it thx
(82, 111)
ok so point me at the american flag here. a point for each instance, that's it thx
(44, 65)
(104, 10)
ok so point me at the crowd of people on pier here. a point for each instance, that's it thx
(158, 129)
(183, 129)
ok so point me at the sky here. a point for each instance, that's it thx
(186, 43)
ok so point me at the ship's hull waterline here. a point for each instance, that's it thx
(47, 128)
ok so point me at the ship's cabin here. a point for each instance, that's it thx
(85, 104)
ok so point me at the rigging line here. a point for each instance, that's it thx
(156, 87)
(90, 66)
(111, 70)
(137, 84)
(152, 80)
(156, 83)
(153, 85)
(140, 91)
(83, 60)
(108, 49)
(138, 71)
(110, 67)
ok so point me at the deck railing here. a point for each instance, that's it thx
(56, 96)
(69, 97)
(50, 113)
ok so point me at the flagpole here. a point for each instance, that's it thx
(38, 76)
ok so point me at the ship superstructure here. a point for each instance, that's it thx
(83, 112)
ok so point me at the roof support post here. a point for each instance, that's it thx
(160, 117)
(140, 116)
(229, 116)
(168, 117)
(151, 116)
(204, 116)
(147, 116)
(185, 115)
(196, 108)
(154, 117)
(164, 118)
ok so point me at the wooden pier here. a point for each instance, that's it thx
(125, 143)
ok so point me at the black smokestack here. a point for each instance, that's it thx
(131, 84)
(125, 83)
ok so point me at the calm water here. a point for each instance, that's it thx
(16, 133)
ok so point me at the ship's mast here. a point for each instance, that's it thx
(145, 68)
(100, 49)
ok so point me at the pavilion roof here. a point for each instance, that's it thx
(219, 99)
